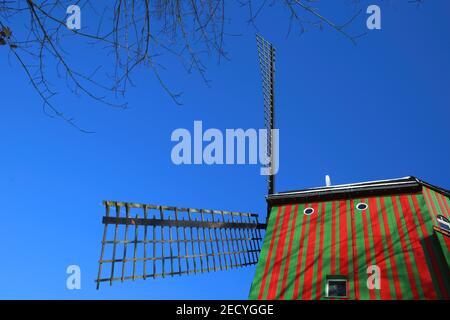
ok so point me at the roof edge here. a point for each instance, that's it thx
(408, 184)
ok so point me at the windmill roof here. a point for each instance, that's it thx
(362, 189)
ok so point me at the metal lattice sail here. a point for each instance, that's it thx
(143, 241)
(266, 54)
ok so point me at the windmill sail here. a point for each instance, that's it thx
(143, 241)
(266, 54)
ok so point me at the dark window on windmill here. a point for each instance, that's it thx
(336, 287)
(443, 223)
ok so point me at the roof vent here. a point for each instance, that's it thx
(327, 181)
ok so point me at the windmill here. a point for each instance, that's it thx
(319, 243)
(143, 241)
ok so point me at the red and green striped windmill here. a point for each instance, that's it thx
(374, 240)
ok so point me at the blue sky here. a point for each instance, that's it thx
(373, 111)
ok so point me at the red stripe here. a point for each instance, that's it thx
(367, 244)
(279, 254)
(405, 251)
(380, 258)
(269, 255)
(434, 207)
(299, 259)
(333, 239)
(444, 199)
(419, 256)
(444, 212)
(310, 253)
(434, 263)
(343, 240)
(354, 251)
(441, 201)
(390, 244)
(320, 261)
(432, 210)
(447, 242)
(289, 254)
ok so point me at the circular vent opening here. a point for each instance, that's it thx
(361, 206)
(308, 211)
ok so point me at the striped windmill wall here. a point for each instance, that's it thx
(395, 233)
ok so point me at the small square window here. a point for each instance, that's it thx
(443, 222)
(336, 287)
(444, 225)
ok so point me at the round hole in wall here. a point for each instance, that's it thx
(308, 211)
(361, 206)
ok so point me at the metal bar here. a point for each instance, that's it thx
(227, 243)
(125, 243)
(242, 234)
(160, 258)
(165, 241)
(236, 243)
(135, 247)
(171, 250)
(192, 243)
(189, 223)
(186, 248)
(199, 244)
(154, 249)
(178, 243)
(171, 208)
(105, 229)
(272, 124)
(145, 243)
(252, 244)
(161, 214)
(205, 241)
(114, 245)
(217, 243)
(213, 254)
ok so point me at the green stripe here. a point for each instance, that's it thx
(337, 237)
(441, 238)
(259, 273)
(371, 244)
(386, 251)
(285, 251)
(351, 283)
(437, 250)
(422, 208)
(326, 250)
(273, 257)
(435, 202)
(409, 249)
(447, 201)
(361, 254)
(318, 216)
(294, 254)
(304, 246)
(402, 271)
